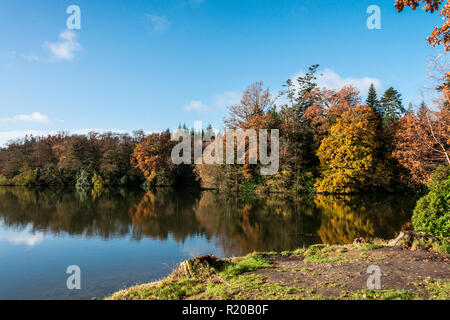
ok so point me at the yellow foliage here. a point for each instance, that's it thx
(349, 155)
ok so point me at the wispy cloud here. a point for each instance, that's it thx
(25, 237)
(29, 240)
(35, 117)
(220, 101)
(158, 23)
(31, 57)
(196, 105)
(66, 47)
(332, 80)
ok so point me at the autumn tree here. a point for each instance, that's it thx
(421, 142)
(253, 112)
(350, 155)
(329, 105)
(152, 156)
(256, 110)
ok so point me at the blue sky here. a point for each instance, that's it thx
(151, 64)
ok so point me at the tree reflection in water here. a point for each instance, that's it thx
(237, 225)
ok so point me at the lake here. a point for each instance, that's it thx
(132, 237)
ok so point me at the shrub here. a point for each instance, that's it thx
(26, 178)
(432, 212)
(83, 181)
(4, 181)
(99, 185)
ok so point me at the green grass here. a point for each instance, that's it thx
(436, 289)
(368, 246)
(364, 255)
(379, 295)
(329, 284)
(442, 247)
(168, 289)
(322, 258)
(246, 264)
(323, 254)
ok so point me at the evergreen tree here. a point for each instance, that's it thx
(372, 99)
(423, 108)
(410, 110)
(391, 108)
(300, 97)
(298, 143)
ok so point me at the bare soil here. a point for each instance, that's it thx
(400, 267)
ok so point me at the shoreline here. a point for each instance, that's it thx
(330, 272)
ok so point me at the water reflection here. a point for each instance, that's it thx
(237, 225)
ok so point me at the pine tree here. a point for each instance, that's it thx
(372, 99)
(391, 108)
(410, 110)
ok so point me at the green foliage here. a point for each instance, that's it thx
(26, 178)
(99, 185)
(372, 99)
(4, 181)
(443, 246)
(432, 212)
(391, 108)
(83, 181)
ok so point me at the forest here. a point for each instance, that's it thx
(330, 142)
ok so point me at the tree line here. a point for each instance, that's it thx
(330, 142)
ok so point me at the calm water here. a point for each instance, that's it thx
(123, 239)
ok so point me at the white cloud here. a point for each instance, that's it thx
(29, 240)
(66, 47)
(331, 80)
(159, 23)
(25, 237)
(220, 101)
(196, 105)
(35, 117)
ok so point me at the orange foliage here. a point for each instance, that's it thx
(252, 112)
(329, 106)
(440, 35)
(152, 154)
(422, 143)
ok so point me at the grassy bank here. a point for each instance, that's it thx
(319, 272)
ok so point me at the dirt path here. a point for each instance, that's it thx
(400, 268)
